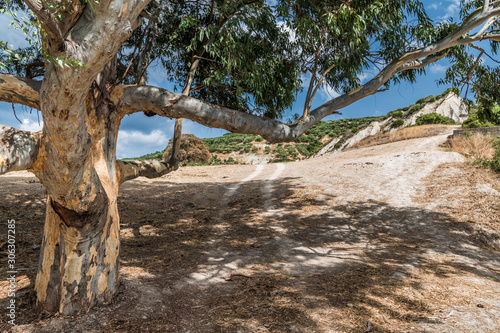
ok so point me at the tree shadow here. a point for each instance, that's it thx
(195, 259)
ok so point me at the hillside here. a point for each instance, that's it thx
(328, 136)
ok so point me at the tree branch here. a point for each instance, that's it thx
(128, 170)
(168, 104)
(49, 23)
(14, 89)
(18, 149)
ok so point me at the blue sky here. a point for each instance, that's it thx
(140, 135)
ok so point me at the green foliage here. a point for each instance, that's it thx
(291, 151)
(158, 155)
(397, 123)
(230, 142)
(303, 149)
(483, 115)
(494, 162)
(433, 118)
(396, 114)
(267, 149)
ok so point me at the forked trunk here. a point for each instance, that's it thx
(78, 265)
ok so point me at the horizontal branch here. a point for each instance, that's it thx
(14, 89)
(165, 103)
(128, 170)
(18, 149)
(168, 104)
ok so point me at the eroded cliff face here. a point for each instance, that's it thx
(450, 105)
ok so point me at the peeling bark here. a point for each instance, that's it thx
(18, 149)
(78, 265)
(14, 89)
(149, 169)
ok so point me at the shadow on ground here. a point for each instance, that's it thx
(194, 260)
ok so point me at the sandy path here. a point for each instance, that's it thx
(343, 243)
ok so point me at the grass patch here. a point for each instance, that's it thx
(474, 146)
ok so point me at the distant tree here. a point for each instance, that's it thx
(94, 55)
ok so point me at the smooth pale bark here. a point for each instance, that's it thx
(128, 170)
(18, 149)
(14, 89)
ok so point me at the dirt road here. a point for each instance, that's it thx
(398, 237)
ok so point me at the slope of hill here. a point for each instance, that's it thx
(328, 136)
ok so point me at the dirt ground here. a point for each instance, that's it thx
(402, 237)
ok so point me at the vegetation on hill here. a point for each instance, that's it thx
(433, 119)
(481, 116)
(227, 148)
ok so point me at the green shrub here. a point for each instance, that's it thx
(433, 118)
(303, 149)
(280, 151)
(267, 149)
(397, 123)
(291, 151)
(494, 162)
(396, 114)
(259, 138)
(230, 161)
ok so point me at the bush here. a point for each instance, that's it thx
(434, 118)
(303, 149)
(494, 162)
(259, 138)
(267, 149)
(397, 123)
(396, 114)
(230, 161)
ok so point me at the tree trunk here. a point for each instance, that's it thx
(79, 263)
(76, 163)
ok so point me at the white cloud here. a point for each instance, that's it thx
(437, 69)
(31, 125)
(328, 93)
(305, 78)
(451, 10)
(435, 5)
(286, 30)
(136, 143)
(365, 76)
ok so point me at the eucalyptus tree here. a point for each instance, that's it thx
(335, 41)
(91, 79)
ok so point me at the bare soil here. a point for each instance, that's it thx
(401, 237)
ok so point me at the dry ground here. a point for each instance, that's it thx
(392, 238)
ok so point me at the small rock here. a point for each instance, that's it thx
(487, 189)
(350, 305)
(480, 306)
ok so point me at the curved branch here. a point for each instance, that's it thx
(168, 104)
(148, 168)
(14, 89)
(49, 23)
(18, 149)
